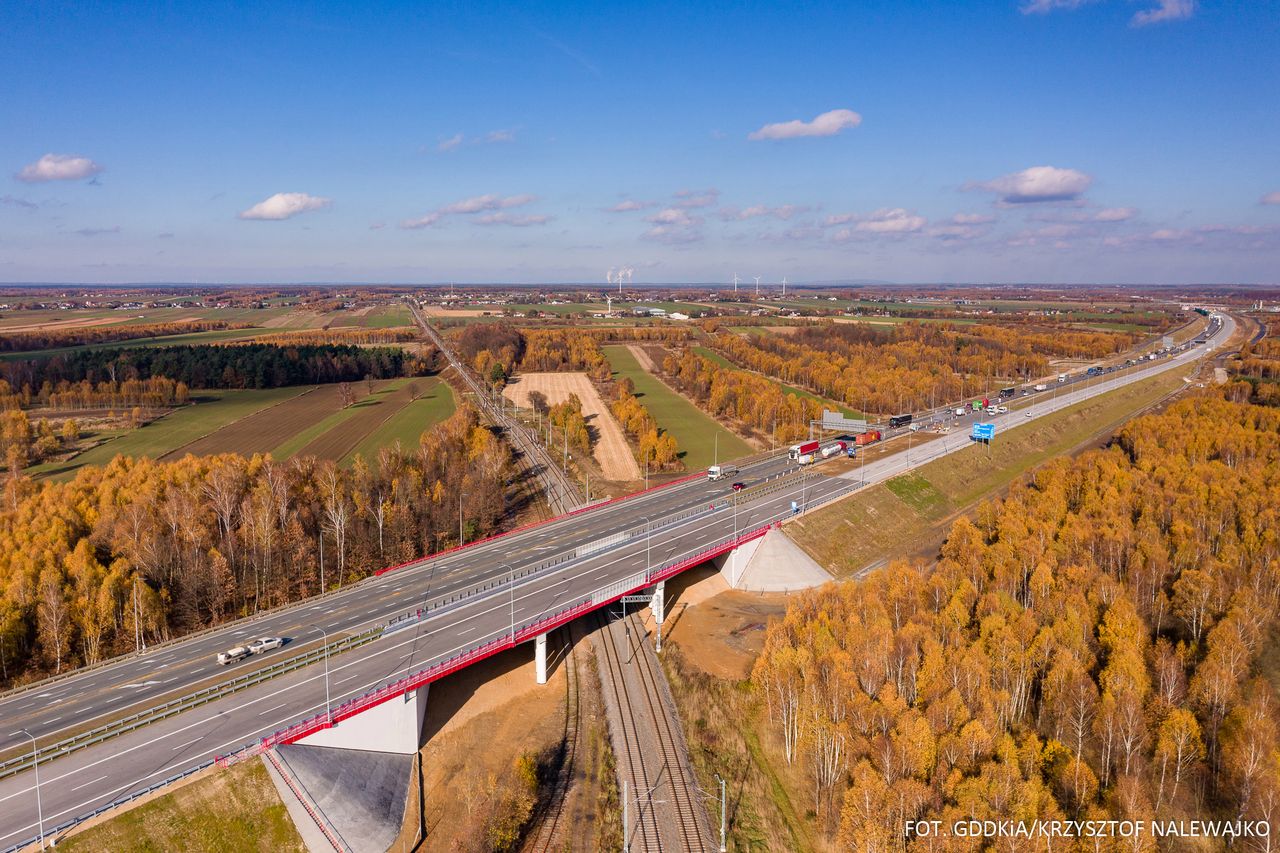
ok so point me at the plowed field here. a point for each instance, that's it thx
(611, 450)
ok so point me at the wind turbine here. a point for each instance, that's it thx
(735, 283)
(757, 287)
(784, 287)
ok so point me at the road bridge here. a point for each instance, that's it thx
(476, 602)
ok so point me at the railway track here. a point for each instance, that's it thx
(663, 811)
(554, 822)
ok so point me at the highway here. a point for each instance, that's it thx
(76, 784)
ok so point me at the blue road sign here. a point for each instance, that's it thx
(984, 432)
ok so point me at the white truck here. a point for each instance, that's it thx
(234, 654)
(1062, 377)
(832, 449)
(1042, 387)
(719, 472)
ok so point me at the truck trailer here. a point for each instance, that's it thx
(829, 450)
(869, 437)
(808, 448)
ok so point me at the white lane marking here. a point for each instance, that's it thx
(87, 784)
(188, 743)
(276, 708)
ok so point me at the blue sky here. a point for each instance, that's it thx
(1022, 141)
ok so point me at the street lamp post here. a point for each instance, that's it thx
(35, 760)
(511, 583)
(328, 703)
(648, 535)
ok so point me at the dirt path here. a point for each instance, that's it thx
(642, 356)
(611, 450)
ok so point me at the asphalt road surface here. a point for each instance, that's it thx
(76, 784)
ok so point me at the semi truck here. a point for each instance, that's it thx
(808, 448)
(719, 472)
(899, 420)
(869, 437)
(829, 450)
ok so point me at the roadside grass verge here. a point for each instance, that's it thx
(233, 809)
(910, 512)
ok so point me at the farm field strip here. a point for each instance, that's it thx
(263, 430)
(695, 431)
(214, 410)
(300, 438)
(360, 419)
(611, 451)
(405, 426)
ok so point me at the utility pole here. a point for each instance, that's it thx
(626, 840)
(461, 537)
(723, 847)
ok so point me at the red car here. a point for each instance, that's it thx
(737, 487)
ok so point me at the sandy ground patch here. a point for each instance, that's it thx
(65, 324)
(611, 451)
(720, 629)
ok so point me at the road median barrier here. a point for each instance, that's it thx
(23, 761)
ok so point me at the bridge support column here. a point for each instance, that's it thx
(540, 658)
(659, 603)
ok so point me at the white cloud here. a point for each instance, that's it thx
(674, 225)
(697, 198)
(886, 220)
(1043, 7)
(501, 218)
(1037, 184)
(630, 205)
(421, 222)
(58, 167)
(891, 221)
(1271, 198)
(458, 140)
(783, 212)
(973, 218)
(482, 203)
(1165, 10)
(827, 124)
(285, 205)
(1115, 214)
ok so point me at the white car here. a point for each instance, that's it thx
(265, 644)
(1002, 410)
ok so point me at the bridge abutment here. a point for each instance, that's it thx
(394, 726)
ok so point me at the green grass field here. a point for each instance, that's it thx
(406, 425)
(319, 428)
(213, 410)
(696, 432)
(788, 389)
(387, 317)
(234, 809)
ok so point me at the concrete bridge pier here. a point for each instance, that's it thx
(540, 657)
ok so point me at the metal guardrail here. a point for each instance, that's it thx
(128, 798)
(156, 713)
